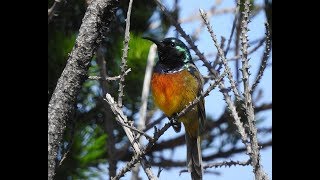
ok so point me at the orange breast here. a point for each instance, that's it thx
(172, 92)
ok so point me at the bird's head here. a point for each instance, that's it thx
(172, 52)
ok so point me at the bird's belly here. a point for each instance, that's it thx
(172, 92)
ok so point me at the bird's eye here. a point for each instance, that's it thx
(172, 45)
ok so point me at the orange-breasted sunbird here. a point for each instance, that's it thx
(175, 82)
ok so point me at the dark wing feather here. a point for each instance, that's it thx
(201, 108)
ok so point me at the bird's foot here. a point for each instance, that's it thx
(176, 125)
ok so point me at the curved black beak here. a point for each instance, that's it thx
(158, 43)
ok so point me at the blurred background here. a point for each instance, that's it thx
(94, 129)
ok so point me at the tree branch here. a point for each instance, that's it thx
(264, 58)
(124, 54)
(220, 164)
(108, 121)
(136, 146)
(144, 100)
(52, 11)
(135, 159)
(255, 154)
(106, 78)
(221, 55)
(62, 103)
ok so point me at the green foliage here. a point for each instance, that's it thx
(137, 59)
(87, 151)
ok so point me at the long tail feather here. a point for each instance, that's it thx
(194, 157)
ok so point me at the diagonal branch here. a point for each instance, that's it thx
(264, 58)
(52, 11)
(136, 146)
(221, 55)
(137, 157)
(62, 102)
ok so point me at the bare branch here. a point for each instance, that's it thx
(108, 78)
(137, 157)
(198, 99)
(136, 146)
(234, 24)
(62, 103)
(221, 55)
(250, 51)
(124, 54)
(264, 58)
(186, 37)
(159, 171)
(52, 11)
(146, 87)
(255, 155)
(144, 100)
(220, 164)
(108, 121)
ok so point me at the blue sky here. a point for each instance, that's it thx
(214, 102)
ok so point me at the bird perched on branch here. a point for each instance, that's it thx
(176, 82)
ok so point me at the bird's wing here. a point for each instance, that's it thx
(192, 68)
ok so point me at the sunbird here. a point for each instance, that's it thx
(175, 82)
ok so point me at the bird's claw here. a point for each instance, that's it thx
(176, 125)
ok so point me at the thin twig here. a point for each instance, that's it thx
(124, 54)
(220, 164)
(221, 55)
(264, 58)
(255, 155)
(186, 37)
(146, 87)
(159, 171)
(52, 11)
(217, 60)
(108, 121)
(135, 159)
(138, 156)
(234, 23)
(136, 146)
(250, 51)
(144, 101)
(136, 130)
(198, 99)
(114, 78)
